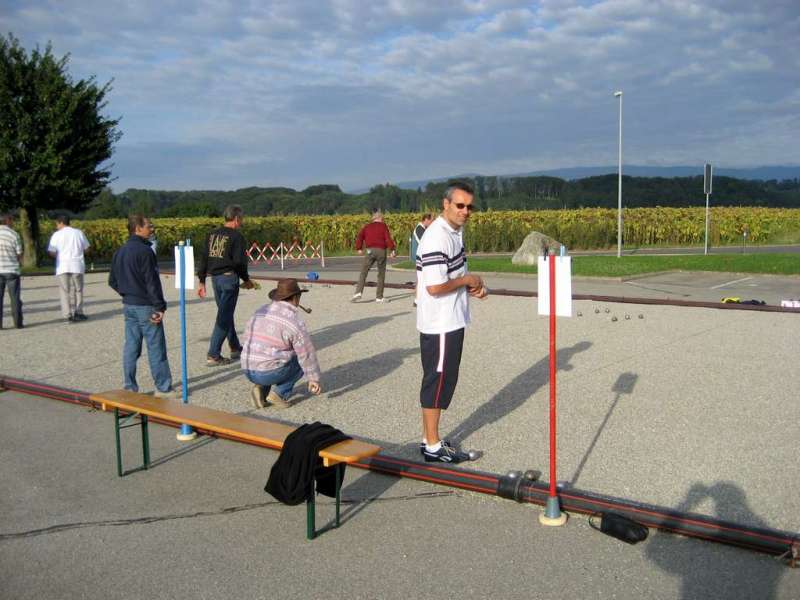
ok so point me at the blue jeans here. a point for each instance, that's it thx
(226, 294)
(11, 281)
(282, 378)
(138, 326)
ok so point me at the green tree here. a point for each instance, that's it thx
(53, 138)
(105, 206)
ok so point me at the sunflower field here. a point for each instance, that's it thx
(490, 231)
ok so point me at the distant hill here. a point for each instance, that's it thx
(765, 173)
(554, 189)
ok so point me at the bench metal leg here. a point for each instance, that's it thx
(123, 423)
(311, 512)
(311, 526)
(339, 476)
(145, 442)
(119, 445)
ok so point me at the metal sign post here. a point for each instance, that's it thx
(184, 279)
(707, 177)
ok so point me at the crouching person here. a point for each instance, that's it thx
(277, 348)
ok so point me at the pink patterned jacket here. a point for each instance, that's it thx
(273, 335)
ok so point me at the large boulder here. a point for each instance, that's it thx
(533, 247)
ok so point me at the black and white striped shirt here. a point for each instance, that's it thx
(441, 257)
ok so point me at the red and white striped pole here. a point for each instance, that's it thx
(552, 515)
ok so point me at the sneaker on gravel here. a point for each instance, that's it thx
(218, 361)
(274, 398)
(168, 395)
(236, 354)
(379, 300)
(423, 444)
(356, 296)
(445, 454)
(258, 395)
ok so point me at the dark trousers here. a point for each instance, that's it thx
(372, 256)
(441, 359)
(11, 281)
(226, 294)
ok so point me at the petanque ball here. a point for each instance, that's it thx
(614, 318)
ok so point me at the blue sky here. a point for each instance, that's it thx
(224, 94)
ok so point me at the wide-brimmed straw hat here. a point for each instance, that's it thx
(285, 289)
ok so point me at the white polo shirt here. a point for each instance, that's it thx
(69, 244)
(441, 257)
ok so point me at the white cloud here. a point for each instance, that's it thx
(223, 94)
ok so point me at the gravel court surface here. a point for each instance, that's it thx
(685, 408)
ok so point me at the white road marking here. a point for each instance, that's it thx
(730, 283)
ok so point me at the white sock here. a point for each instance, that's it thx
(435, 448)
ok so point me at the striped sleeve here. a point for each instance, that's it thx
(433, 265)
(306, 355)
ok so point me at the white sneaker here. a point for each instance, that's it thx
(356, 296)
(378, 299)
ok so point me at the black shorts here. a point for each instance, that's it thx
(441, 358)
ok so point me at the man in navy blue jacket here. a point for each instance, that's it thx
(134, 276)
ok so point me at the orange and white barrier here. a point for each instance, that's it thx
(295, 252)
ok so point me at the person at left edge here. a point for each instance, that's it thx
(10, 257)
(134, 276)
(223, 257)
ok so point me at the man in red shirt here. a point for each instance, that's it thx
(376, 238)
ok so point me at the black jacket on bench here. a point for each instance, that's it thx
(299, 464)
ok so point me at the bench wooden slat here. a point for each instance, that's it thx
(217, 421)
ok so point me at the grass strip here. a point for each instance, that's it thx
(611, 266)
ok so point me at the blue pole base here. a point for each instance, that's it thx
(186, 434)
(552, 515)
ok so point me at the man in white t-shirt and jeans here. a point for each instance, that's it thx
(443, 286)
(67, 245)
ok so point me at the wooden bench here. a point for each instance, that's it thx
(130, 405)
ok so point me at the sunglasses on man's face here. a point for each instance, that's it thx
(462, 206)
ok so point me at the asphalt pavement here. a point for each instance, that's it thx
(198, 525)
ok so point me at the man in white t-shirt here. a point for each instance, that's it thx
(67, 245)
(443, 287)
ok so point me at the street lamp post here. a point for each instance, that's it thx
(618, 94)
